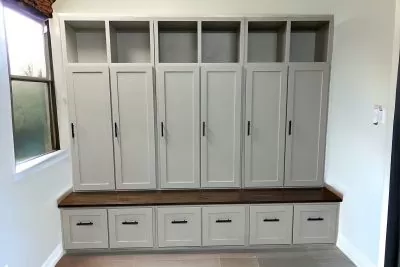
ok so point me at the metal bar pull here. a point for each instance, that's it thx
(162, 129)
(290, 127)
(315, 219)
(248, 128)
(130, 223)
(72, 130)
(179, 222)
(204, 128)
(271, 220)
(84, 223)
(116, 130)
(223, 221)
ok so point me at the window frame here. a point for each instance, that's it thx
(49, 81)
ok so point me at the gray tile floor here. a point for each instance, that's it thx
(277, 257)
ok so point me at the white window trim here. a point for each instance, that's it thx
(29, 167)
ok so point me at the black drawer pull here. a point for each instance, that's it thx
(130, 223)
(315, 219)
(271, 220)
(223, 221)
(84, 223)
(179, 222)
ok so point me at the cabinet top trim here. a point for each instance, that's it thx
(198, 197)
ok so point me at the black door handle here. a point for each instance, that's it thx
(162, 129)
(248, 127)
(72, 130)
(315, 219)
(84, 223)
(290, 127)
(179, 222)
(130, 223)
(116, 130)
(223, 221)
(204, 128)
(271, 220)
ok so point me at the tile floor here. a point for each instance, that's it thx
(279, 257)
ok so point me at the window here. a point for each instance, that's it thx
(32, 87)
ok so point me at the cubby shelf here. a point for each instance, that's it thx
(309, 41)
(130, 41)
(220, 41)
(86, 41)
(177, 41)
(266, 41)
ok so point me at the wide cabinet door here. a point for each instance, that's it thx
(133, 114)
(178, 124)
(266, 89)
(306, 124)
(91, 127)
(221, 125)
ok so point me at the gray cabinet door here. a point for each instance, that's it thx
(178, 97)
(306, 124)
(221, 125)
(266, 90)
(133, 114)
(91, 127)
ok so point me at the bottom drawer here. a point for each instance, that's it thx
(224, 225)
(85, 228)
(315, 224)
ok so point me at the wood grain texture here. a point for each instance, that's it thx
(198, 197)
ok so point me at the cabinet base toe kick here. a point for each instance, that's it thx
(202, 226)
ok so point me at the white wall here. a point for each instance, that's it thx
(358, 153)
(30, 222)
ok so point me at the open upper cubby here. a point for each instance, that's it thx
(86, 41)
(130, 41)
(266, 41)
(220, 41)
(177, 41)
(309, 41)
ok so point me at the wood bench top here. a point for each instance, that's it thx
(198, 197)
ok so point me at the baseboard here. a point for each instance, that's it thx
(54, 257)
(353, 253)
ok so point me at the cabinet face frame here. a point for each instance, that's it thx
(118, 129)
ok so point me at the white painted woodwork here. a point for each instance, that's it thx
(85, 228)
(266, 90)
(307, 110)
(179, 226)
(271, 224)
(224, 225)
(178, 97)
(134, 137)
(90, 113)
(315, 224)
(221, 119)
(131, 228)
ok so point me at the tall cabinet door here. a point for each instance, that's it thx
(221, 125)
(266, 90)
(91, 127)
(178, 100)
(133, 113)
(306, 124)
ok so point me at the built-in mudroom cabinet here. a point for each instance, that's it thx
(197, 131)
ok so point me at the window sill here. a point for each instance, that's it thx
(27, 168)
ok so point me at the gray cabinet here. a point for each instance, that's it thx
(133, 114)
(306, 124)
(221, 125)
(266, 89)
(91, 127)
(178, 97)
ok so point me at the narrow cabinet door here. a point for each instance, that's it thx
(91, 127)
(178, 125)
(133, 113)
(306, 124)
(266, 90)
(220, 122)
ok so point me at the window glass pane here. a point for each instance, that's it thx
(32, 136)
(26, 44)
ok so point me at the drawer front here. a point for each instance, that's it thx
(85, 228)
(224, 225)
(315, 224)
(131, 228)
(271, 224)
(179, 226)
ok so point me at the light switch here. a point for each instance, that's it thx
(379, 115)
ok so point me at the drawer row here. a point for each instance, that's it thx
(194, 226)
